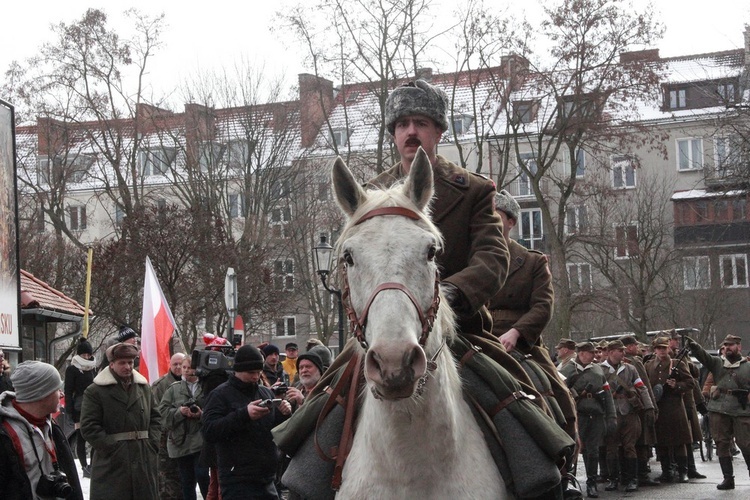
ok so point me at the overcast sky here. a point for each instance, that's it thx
(205, 35)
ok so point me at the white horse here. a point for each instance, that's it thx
(415, 436)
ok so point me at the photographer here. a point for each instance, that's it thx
(181, 413)
(240, 428)
(27, 433)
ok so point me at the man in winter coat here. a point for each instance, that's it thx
(673, 436)
(181, 411)
(240, 428)
(120, 420)
(596, 409)
(168, 476)
(631, 398)
(32, 446)
(728, 404)
(78, 376)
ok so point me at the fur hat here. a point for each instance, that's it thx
(84, 347)
(504, 202)
(312, 357)
(417, 98)
(247, 359)
(35, 380)
(121, 351)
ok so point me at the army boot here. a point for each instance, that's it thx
(727, 469)
(630, 474)
(666, 470)
(591, 490)
(692, 471)
(643, 477)
(614, 474)
(682, 469)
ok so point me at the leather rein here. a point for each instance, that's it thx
(358, 324)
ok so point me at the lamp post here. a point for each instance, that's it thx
(323, 253)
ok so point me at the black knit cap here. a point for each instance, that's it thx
(247, 359)
(84, 347)
(314, 358)
(126, 333)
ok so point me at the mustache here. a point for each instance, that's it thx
(413, 141)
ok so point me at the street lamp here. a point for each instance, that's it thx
(323, 254)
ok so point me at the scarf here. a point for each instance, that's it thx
(83, 364)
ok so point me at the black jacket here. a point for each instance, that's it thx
(245, 449)
(15, 484)
(76, 381)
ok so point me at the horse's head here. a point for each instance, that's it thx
(387, 251)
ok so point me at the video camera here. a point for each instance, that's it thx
(213, 359)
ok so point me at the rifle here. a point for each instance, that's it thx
(676, 368)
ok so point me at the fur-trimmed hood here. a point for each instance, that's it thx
(105, 377)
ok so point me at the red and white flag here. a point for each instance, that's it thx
(157, 327)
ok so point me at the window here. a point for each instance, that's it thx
(209, 155)
(340, 137)
(280, 188)
(119, 215)
(461, 124)
(39, 222)
(689, 154)
(728, 155)
(281, 215)
(157, 161)
(726, 92)
(236, 206)
(575, 219)
(530, 228)
(579, 276)
(286, 327)
(696, 272)
(524, 111)
(161, 205)
(284, 274)
(626, 241)
(739, 207)
(580, 163)
(733, 270)
(77, 218)
(677, 98)
(524, 182)
(72, 168)
(238, 154)
(623, 172)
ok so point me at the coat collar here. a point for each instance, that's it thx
(729, 364)
(105, 377)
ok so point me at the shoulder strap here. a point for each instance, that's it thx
(14, 439)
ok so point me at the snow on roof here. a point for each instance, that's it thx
(695, 194)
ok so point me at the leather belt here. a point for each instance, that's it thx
(736, 392)
(130, 436)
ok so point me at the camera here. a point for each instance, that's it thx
(54, 485)
(213, 359)
(270, 403)
(280, 389)
(192, 406)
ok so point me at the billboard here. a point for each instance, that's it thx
(9, 268)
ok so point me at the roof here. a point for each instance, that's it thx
(36, 294)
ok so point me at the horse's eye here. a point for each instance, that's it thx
(431, 253)
(348, 258)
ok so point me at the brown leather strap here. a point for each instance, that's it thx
(405, 212)
(514, 396)
(347, 436)
(468, 355)
(334, 398)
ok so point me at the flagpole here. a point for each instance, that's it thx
(90, 259)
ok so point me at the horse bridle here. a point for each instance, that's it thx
(358, 325)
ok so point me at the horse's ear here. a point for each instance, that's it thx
(349, 194)
(419, 185)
